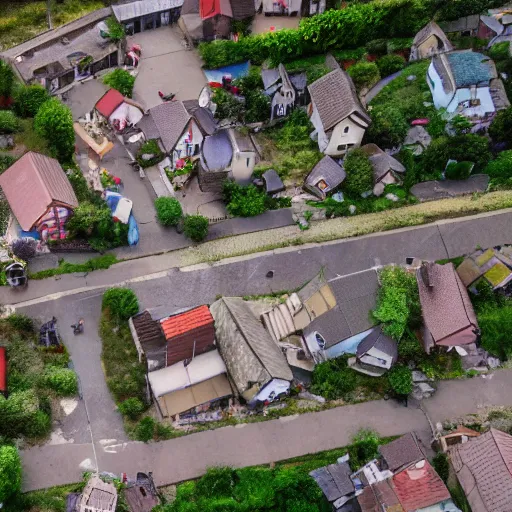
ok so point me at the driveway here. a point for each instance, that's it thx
(167, 66)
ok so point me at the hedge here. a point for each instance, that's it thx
(353, 26)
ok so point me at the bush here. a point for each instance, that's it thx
(5, 162)
(390, 64)
(364, 75)
(461, 125)
(61, 380)
(501, 127)
(398, 302)
(195, 227)
(500, 171)
(442, 466)
(459, 170)
(364, 448)
(10, 472)
(242, 201)
(122, 303)
(132, 408)
(333, 379)
(17, 412)
(500, 51)
(168, 211)
(40, 426)
(359, 173)
(24, 248)
(116, 31)
(400, 379)
(28, 99)
(217, 482)
(153, 153)
(8, 122)
(228, 107)
(495, 322)
(145, 429)
(389, 126)
(377, 46)
(21, 323)
(6, 83)
(120, 80)
(54, 122)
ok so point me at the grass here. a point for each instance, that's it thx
(22, 20)
(101, 262)
(314, 67)
(456, 261)
(28, 137)
(459, 497)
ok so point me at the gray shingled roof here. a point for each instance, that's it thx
(470, 68)
(401, 452)
(273, 183)
(428, 30)
(381, 342)
(493, 24)
(381, 162)
(335, 98)
(334, 480)
(329, 171)
(270, 77)
(203, 116)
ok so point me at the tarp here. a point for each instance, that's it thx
(235, 70)
(211, 8)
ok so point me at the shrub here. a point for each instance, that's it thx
(8, 122)
(28, 99)
(442, 466)
(54, 122)
(377, 46)
(10, 472)
(364, 75)
(363, 449)
(398, 303)
(145, 429)
(333, 379)
(151, 150)
(461, 125)
(500, 171)
(389, 126)
(228, 106)
(120, 80)
(6, 85)
(17, 412)
(121, 302)
(24, 248)
(5, 162)
(61, 380)
(116, 31)
(501, 127)
(195, 227)
(40, 425)
(168, 211)
(132, 408)
(243, 201)
(400, 379)
(217, 482)
(390, 64)
(21, 323)
(359, 173)
(500, 51)
(459, 170)
(495, 322)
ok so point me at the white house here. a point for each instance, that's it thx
(466, 82)
(339, 119)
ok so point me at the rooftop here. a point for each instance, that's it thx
(109, 102)
(470, 68)
(401, 452)
(128, 11)
(334, 480)
(184, 322)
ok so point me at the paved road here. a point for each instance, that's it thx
(379, 86)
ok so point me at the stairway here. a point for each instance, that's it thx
(279, 321)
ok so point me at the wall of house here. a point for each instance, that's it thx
(377, 358)
(430, 46)
(189, 143)
(388, 179)
(318, 134)
(346, 134)
(242, 166)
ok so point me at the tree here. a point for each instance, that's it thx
(6, 80)
(196, 227)
(389, 126)
(10, 472)
(400, 379)
(28, 99)
(364, 75)
(54, 122)
(120, 80)
(121, 302)
(168, 211)
(359, 173)
(501, 127)
(390, 64)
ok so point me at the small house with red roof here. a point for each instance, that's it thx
(117, 110)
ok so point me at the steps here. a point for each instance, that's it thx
(279, 321)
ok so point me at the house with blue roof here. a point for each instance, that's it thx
(466, 82)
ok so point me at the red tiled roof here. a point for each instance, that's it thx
(419, 487)
(3, 370)
(185, 322)
(109, 102)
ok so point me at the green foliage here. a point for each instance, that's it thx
(364, 75)
(28, 99)
(145, 429)
(99, 263)
(501, 127)
(195, 227)
(363, 449)
(377, 47)
(442, 466)
(122, 303)
(314, 67)
(21, 323)
(10, 472)
(6, 81)
(115, 30)
(359, 173)
(400, 379)
(132, 408)
(228, 106)
(8, 122)
(459, 170)
(389, 126)
(333, 379)
(390, 64)
(150, 147)
(17, 412)
(54, 122)
(500, 171)
(461, 125)
(168, 210)
(217, 482)
(398, 303)
(61, 380)
(120, 80)
(241, 201)
(5, 162)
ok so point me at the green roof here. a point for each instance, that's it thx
(470, 68)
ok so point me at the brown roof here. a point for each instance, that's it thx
(381, 162)
(378, 497)
(430, 29)
(32, 184)
(335, 98)
(242, 9)
(401, 452)
(447, 310)
(484, 469)
(461, 430)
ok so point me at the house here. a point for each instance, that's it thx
(117, 110)
(483, 468)
(3, 372)
(460, 435)
(278, 86)
(490, 28)
(448, 315)
(97, 496)
(386, 169)
(206, 20)
(163, 340)
(142, 496)
(336, 113)
(491, 265)
(256, 365)
(466, 82)
(325, 177)
(466, 26)
(40, 196)
(375, 355)
(147, 14)
(402, 452)
(188, 386)
(57, 58)
(430, 40)
(245, 156)
(289, 8)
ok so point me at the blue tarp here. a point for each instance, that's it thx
(112, 198)
(235, 70)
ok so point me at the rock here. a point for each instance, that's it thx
(6, 141)
(303, 223)
(422, 390)
(493, 362)
(306, 395)
(302, 198)
(352, 209)
(366, 194)
(338, 197)
(418, 138)
(147, 157)
(411, 78)
(418, 376)
(392, 197)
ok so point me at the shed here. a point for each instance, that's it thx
(147, 14)
(149, 339)
(430, 40)
(401, 452)
(38, 191)
(465, 26)
(324, 177)
(334, 480)
(256, 365)
(3, 371)
(97, 496)
(386, 169)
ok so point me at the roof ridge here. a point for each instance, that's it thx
(493, 431)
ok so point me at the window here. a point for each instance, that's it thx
(345, 130)
(248, 162)
(475, 102)
(320, 340)
(342, 147)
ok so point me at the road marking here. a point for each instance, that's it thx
(87, 465)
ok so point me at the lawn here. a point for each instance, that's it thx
(22, 20)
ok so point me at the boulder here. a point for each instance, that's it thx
(352, 209)
(418, 376)
(493, 362)
(392, 197)
(6, 141)
(422, 390)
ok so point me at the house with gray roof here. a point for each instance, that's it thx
(429, 41)
(324, 177)
(256, 364)
(147, 14)
(466, 82)
(402, 452)
(336, 113)
(337, 486)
